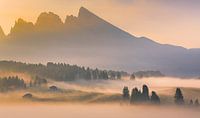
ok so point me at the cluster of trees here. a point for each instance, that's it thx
(138, 96)
(11, 83)
(61, 71)
(195, 103)
(145, 74)
(143, 96)
(15, 83)
(132, 77)
(37, 82)
(179, 99)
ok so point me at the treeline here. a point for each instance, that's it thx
(37, 82)
(11, 83)
(16, 83)
(146, 74)
(143, 96)
(61, 71)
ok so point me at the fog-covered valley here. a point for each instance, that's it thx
(115, 86)
(102, 91)
(96, 111)
(98, 98)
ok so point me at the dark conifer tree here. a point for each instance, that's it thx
(155, 98)
(132, 77)
(179, 99)
(30, 84)
(191, 102)
(196, 103)
(145, 93)
(126, 94)
(135, 96)
(88, 74)
(119, 75)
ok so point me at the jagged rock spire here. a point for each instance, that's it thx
(83, 12)
(87, 16)
(48, 21)
(22, 27)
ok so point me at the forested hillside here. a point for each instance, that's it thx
(60, 71)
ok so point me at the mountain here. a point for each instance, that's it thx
(21, 28)
(89, 40)
(48, 22)
(2, 35)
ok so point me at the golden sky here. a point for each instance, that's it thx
(166, 21)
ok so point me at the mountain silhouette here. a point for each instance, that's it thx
(21, 28)
(48, 22)
(89, 40)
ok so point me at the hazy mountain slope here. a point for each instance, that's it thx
(2, 35)
(91, 41)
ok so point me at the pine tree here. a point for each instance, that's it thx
(196, 103)
(191, 102)
(30, 84)
(126, 94)
(132, 77)
(179, 99)
(145, 93)
(135, 96)
(155, 98)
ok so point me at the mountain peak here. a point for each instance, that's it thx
(22, 22)
(2, 34)
(85, 13)
(83, 10)
(87, 17)
(70, 19)
(21, 26)
(48, 20)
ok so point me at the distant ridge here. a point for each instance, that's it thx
(89, 40)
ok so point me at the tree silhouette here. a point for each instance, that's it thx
(30, 84)
(11, 83)
(179, 99)
(138, 96)
(132, 77)
(196, 103)
(145, 93)
(191, 102)
(135, 96)
(155, 98)
(126, 94)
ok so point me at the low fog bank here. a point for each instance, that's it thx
(96, 111)
(115, 86)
